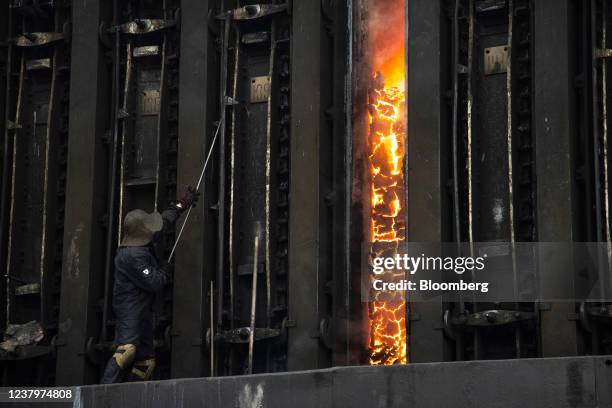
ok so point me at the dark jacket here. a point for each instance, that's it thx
(138, 276)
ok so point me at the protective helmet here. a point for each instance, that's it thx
(139, 227)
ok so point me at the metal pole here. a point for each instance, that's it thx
(112, 174)
(212, 329)
(221, 189)
(455, 130)
(178, 238)
(268, 187)
(517, 330)
(7, 147)
(253, 298)
(470, 107)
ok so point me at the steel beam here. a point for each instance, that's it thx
(83, 258)
(194, 265)
(342, 147)
(427, 174)
(308, 220)
(554, 126)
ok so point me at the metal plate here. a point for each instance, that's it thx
(37, 39)
(146, 51)
(145, 26)
(148, 103)
(260, 89)
(496, 60)
(29, 289)
(255, 38)
(44, 63)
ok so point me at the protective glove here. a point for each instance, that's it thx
(189, 199)
(166, 269)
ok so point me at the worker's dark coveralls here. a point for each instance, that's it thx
(138, 276)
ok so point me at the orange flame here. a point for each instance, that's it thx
(387, 318)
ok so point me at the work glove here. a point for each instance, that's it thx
(166, 269)
(189, 199)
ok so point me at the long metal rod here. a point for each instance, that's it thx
(470, 164)
(221, 187)
(596, 144)
(124, 134)
(470, 106)
(268, 174)
(230, 249)
(253, 300)
(13, 186)
(43, 240)
(178, 238)
(112, 180)
(455, 130)
(212, 329)
(456, 39)
(268, 264)
(517, 331)
(160, 119)
(596, 163)
(606, 184)
(230, 240)
(7, 145)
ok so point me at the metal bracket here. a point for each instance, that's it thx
(490, 5)
(493, 317)
(27, 289)
(37, 39)
(145, 26)
(254, 11)
(123, 114)
(241, 335)
(229, 101)
(43, 63)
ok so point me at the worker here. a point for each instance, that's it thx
(138, 276)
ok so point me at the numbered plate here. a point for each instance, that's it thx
(260, 89)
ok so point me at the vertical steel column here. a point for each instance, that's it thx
(307, 219)
(554, 129)
(195, 254)
(5, 89)
(426, 163)
(342, 147)
(86, 182)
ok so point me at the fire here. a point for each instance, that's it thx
(387, 317)
(387, 343)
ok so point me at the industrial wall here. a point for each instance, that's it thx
(114, 105)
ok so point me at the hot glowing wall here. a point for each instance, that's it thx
(386, 150)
